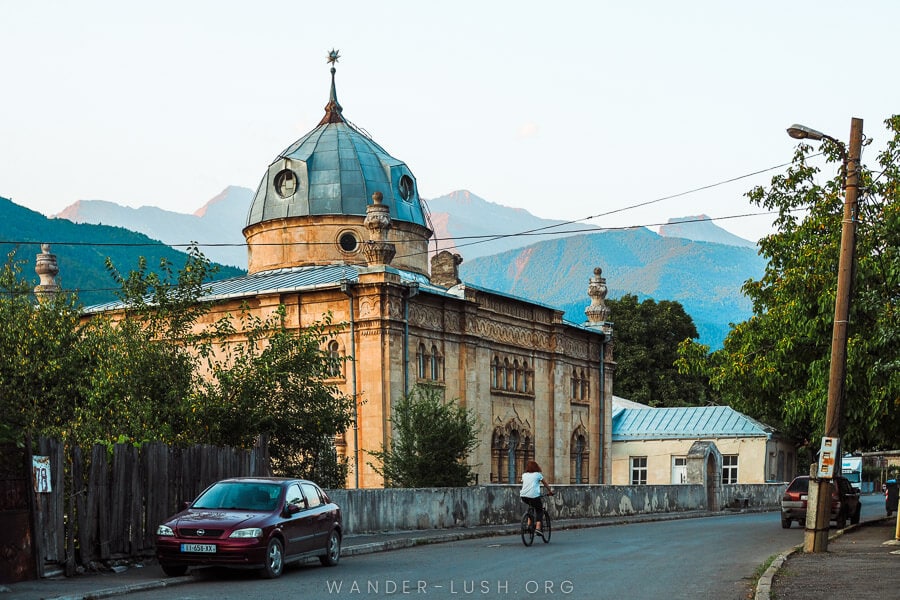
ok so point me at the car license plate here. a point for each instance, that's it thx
(198, 548)
(803, 497)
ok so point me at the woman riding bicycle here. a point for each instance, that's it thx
(532, 480)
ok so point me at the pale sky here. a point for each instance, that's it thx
(564, 109)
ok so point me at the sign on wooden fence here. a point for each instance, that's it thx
(40, 469)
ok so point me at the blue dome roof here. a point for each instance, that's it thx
(334, 170)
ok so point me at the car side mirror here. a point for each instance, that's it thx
(185, 505)
(292, 509)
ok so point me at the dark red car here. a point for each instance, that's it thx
(845, 503)
(252, 523)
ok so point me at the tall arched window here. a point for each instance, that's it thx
(517, 376)
(422, 357)
(507, 374)
(435, 364)
(511, 455)
(334, 357)
(497, 453)
(495, 373)
(579, 458)
(527, 378)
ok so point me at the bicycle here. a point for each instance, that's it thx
(528, 521)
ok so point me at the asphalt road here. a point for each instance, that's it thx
(713, 557)
(706, 558)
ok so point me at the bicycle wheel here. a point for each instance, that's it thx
(528, 528)
(545, 526)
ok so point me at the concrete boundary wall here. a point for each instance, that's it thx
(371, 510)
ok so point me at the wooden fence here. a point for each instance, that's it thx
(106, 505)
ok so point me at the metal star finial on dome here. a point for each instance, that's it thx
(333, 109)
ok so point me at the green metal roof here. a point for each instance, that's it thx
(684, 423)
(334, 170)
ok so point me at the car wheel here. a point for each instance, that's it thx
(332, 549)
(274, 559)
(174, 570)
(785, 523)
(841, 520)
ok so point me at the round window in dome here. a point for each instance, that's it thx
(405, 186)
(348, 242)
(285, 183)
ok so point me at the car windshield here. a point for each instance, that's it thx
(239, 495)
(801, 484)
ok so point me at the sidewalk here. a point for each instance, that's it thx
(862, 562)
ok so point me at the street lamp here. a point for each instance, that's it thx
(802, 132)
(817, 539)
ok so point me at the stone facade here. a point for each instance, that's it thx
(533, 381)
(540, 387)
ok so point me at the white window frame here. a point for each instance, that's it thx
(730, 465)
(638, 470)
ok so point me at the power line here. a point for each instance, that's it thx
(482, 239)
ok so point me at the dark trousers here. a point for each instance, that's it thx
(538, 506)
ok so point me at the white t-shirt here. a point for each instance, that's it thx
(531, 485)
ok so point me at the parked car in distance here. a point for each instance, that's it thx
(252, 523)
(845, 503)
(891, 495)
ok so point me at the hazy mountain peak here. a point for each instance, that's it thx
(230, 199)
(700, 228)
(473, 201)
(219, 221)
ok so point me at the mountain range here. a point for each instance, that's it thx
(216, 226)
(81, 251)
(691, 260)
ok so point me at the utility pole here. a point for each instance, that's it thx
(816, 540)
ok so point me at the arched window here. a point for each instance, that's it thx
(435, 364)
(526, 453)
(507, 374)
(579, 464)
(517, 376)
(495, 373)
(527, 378)
(421, 358)
(497, 455)
(511, 455)
(334, 359)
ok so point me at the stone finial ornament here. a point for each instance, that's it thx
(598, 312)
(47, 269)
(378, 250)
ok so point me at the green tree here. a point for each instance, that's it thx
(646, 338)
(152, 371)
(431, 442)
(40, 358)
(775, 365)
(140, 368)
(274, 382)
